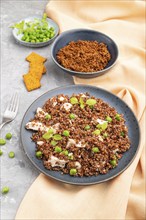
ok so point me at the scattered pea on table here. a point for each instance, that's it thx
(5, 190)
(2, 141)
(8, 136)
(11, 154)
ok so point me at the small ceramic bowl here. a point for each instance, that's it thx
(84, 34)
(51, 23)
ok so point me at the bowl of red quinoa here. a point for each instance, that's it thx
(84, 53)
(80, 134)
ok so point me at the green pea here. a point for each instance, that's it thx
(66, 133)
(1, 153)
(32, 41)
(118, 117)
(48, 116)
(23, 38)
(5, 190)
(41, 40)
(96, 132)
(27, 40)
(53, 143)
(113, 163)
(2, 141)
(91, 102)
(8, 136)
(11, 154)
(87, 127)
(37, 41)
(57, 137)
(73, 100)
(109, 119)
(51, 29)
(41, 36)
(72, 116)
(44, 40)
(65, 152)
(38, 154)
(73, 172)
(58, 149)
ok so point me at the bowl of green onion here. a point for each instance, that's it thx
(35, 31)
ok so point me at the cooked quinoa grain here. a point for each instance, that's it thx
(91, 143)
(84, 56)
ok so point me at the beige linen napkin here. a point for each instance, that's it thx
(124, 196)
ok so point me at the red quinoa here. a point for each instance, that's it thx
(84, 56)
(110, 143)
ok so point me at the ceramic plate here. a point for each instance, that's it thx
(117, 103)
(51, 23)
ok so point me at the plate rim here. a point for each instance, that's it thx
(76, 183)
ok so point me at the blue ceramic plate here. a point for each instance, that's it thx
(117, 103)
(84, 34)
(51, 23)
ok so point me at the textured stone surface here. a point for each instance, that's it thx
(18, 173)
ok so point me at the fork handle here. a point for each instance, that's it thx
(2, 125)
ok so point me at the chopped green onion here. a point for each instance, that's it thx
(87, 127)
(74, 100)
(118, 117)
(91, 102)
(53, 143)
(102, 126)
(72, 116)
(109, 119)
(95, 150)
(57, 137)
(47, 136)
(105, 135)
(65, 152)
(58, 149)
(122, 134)
(81, 101)
(96, 132)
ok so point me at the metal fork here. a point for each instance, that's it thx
(11, 110)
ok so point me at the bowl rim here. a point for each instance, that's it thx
(77, 30)
(37, 43)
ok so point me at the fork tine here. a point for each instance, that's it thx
(9, 106)
(16, 103)
(13, 102)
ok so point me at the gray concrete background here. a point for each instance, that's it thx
(18, 173)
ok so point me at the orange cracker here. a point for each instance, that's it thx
(31, 82)
(34, 57)
(36, 70)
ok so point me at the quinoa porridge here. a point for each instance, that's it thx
(79, 135)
